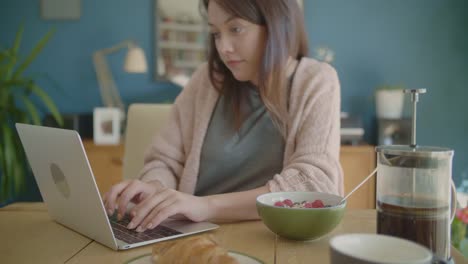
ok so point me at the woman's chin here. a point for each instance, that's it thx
(240, 77)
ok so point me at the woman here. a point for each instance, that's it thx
(260, 117)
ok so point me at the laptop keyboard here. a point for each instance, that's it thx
(130, 236)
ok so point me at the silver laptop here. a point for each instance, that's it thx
(67, 185)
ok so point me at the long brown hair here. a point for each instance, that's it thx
(286, 36)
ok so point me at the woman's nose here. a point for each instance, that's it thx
(225, 45)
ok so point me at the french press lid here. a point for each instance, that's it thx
(413, 156)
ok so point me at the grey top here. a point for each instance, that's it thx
(241, 160)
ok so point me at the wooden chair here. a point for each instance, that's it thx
(143, 123)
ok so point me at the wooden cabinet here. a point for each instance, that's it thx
(106, 162)
(357, 162)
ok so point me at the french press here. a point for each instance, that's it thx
(414, 198)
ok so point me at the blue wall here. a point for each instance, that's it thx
(417, 43)
(67, 59)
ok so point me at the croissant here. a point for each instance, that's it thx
(191, 250)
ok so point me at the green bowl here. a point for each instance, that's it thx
(300, 223)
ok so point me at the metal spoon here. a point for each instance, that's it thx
(357, 187)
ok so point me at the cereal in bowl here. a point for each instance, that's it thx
(304, 204)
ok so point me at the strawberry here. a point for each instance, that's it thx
(279, 204)
(288, 202)
(318, 204)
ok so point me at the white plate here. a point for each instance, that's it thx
(242, 258)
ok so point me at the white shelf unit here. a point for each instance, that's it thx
(187, 64)
(181, 27)
(181, 46)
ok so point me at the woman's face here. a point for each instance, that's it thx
(240, 43)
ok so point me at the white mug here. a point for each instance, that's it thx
(377, 249)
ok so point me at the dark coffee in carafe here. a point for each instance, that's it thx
(415, 192)
(428, 226)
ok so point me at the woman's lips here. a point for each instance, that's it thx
(234, 63)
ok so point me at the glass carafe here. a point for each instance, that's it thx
(414, 199)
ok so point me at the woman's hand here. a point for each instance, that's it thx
(122, 193)
(155, 203)
(159, 206)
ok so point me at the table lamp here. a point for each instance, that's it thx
(135, 62)
(108, 120)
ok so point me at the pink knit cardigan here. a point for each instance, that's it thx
(311, 155)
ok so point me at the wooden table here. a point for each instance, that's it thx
(30, 236)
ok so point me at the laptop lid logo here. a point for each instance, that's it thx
(60, 180)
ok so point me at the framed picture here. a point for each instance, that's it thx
(106, 126)
(61, 9)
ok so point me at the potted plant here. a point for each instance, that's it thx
(20, 98)
(389, 101)
(458, 230)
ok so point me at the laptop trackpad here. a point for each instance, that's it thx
(186, 226)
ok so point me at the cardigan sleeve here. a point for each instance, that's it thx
(166, 156)
(314, 136)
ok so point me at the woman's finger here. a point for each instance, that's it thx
(112, 194)
(158, 215)
(140, 211)
(144, 223)
(132, 190)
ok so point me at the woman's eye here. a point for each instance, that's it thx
(236, 29)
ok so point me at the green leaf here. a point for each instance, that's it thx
(3, 183)
(3, 99)
(14, 52)
(9, 153)
(19, 36)
(22, 83)
(23, 118)
(32, 110)
(5, 61)
(36, 50)
(19, 174)
(3, 55)
(3, 71)
(48, 103)
(13, 163)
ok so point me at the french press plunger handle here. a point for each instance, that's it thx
(414, 99)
